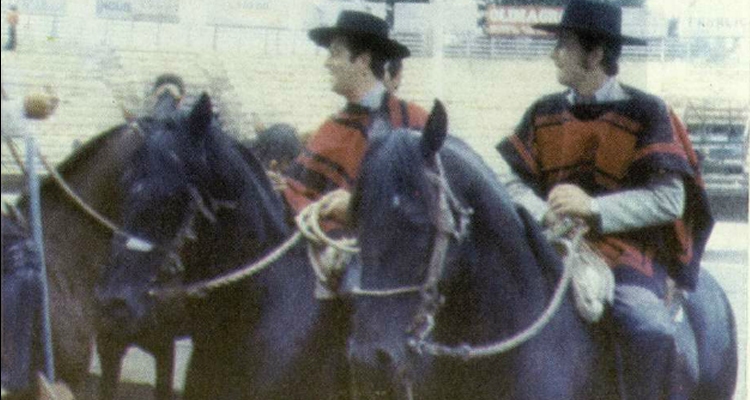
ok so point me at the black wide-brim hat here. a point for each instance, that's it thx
(595, 18)
(367, 28)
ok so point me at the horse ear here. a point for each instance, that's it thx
(435, 130)
(201, 114)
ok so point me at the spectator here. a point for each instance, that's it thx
(166, 94)
(276, 147)
(11, 18)
(22, 346)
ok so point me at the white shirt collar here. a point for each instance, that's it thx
(611, 90)
(373, 98)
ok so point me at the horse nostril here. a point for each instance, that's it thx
(382, 359)
(374, 373)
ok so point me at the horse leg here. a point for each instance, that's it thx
(164, 370)
(110, 356)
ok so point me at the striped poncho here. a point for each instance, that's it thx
(610, 147)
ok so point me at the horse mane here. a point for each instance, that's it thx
(79, 156)
(84, 151)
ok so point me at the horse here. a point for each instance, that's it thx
(200, 207)
(451, 301)
(76, 244)
(80, 199)
(166, 325)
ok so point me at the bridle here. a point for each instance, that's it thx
(423, 321)
(447, 228)
(170, 266)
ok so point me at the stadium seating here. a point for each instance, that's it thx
(99, 66)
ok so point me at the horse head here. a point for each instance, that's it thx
(196, 205)
(442, 248)
(395, 209)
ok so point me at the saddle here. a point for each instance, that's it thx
(593, 281)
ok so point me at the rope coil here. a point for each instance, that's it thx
(308, 223)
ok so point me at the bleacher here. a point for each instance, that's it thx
(99, 66)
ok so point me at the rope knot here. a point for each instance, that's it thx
(328, 256)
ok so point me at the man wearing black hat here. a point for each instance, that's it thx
(619, 159)
(359, 48)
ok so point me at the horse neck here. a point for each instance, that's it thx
(95, 174)
(246, 230)
(504, 271)
(76, 245)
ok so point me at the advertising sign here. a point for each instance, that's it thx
(517, 20)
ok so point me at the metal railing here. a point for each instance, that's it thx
(467, 44)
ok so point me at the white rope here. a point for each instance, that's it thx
(308, 223)
(328, 257)
(467, 352)
(200, 289)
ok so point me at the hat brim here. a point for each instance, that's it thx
(390, 48)
(625, 40)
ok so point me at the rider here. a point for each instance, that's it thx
(621, 160)
(359, 48)
(168, 86)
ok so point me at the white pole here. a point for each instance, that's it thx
(30, 132)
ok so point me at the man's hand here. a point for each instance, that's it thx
(570, 200)
(335, 205)
(278, 181)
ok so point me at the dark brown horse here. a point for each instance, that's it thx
(79, 202)
(76, 243)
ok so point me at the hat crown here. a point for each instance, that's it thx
(369, 29)
(363, 23)
(593, 17)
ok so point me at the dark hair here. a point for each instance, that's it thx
(394, 66)
(169, 77)
(358, 45)
(279, 142)
(611, 49)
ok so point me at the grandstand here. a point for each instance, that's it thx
(101, 64)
